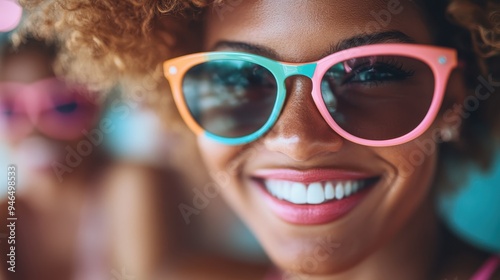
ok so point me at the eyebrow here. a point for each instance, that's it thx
(370, 39)
(246, 47)
(355, 41)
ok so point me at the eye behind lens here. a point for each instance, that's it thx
(230, 98)
(378, 97)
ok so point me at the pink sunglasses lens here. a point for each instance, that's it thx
(378, 97)
(53, 107)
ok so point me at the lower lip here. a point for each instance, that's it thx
(313, 214)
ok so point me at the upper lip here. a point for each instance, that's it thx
(311, 175)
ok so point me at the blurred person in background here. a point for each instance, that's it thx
(41, 123)
(81, 214)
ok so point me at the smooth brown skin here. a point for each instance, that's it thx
(394, 232)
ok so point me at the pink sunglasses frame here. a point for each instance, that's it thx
(441, 61)
(32, 103)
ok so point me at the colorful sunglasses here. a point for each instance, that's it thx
(52, 106)
(373, 95)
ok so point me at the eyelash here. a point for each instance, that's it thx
(390, 65)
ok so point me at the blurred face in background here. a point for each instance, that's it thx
(40, 115)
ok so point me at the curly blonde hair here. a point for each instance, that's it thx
(115, 37)
(105, 41)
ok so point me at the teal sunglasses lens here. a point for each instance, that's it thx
(230, 98)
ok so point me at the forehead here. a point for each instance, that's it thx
(26, 66)
(303, 30)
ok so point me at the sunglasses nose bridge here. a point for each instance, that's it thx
(293, 69)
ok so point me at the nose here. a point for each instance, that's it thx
(301, 133)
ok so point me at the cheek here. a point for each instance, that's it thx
(226, 166)
(414, 162)
(220, 160)
(418, 156)
(414, 168)
(410, 160)
(214, 155)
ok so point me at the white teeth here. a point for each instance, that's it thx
(347, 188)
(313, 193)
(272, 186)
(298, 194)
(329, 191)
(287, 190)
(355, 186)
(339, 191)
(279, 189)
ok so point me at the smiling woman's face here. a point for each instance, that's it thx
(301, 155)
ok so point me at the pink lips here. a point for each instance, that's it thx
(309, 176)
(307, 214)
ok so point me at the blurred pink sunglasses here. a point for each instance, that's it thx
(52, 106)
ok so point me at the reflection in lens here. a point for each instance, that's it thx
(378, 97)
(230, 98)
